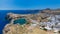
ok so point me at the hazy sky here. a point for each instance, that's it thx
(29, 4)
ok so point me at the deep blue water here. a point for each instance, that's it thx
(3, 13)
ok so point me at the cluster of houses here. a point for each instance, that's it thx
(52, 24)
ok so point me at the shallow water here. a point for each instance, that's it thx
(3, 13)
(21, 21)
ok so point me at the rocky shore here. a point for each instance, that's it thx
(36, 23)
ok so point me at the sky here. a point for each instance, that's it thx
(28, 4)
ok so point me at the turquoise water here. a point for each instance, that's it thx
(21, 21)
(3, 13)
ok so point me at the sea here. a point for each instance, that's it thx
(3, 14)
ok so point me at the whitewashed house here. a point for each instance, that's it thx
(53, 22)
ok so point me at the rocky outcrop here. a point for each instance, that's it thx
(21, 29)
(14, 29)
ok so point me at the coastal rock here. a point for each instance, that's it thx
(14, 29)
(34, 19)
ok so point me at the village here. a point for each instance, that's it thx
(45, 22)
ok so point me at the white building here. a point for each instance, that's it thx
(53, 22)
